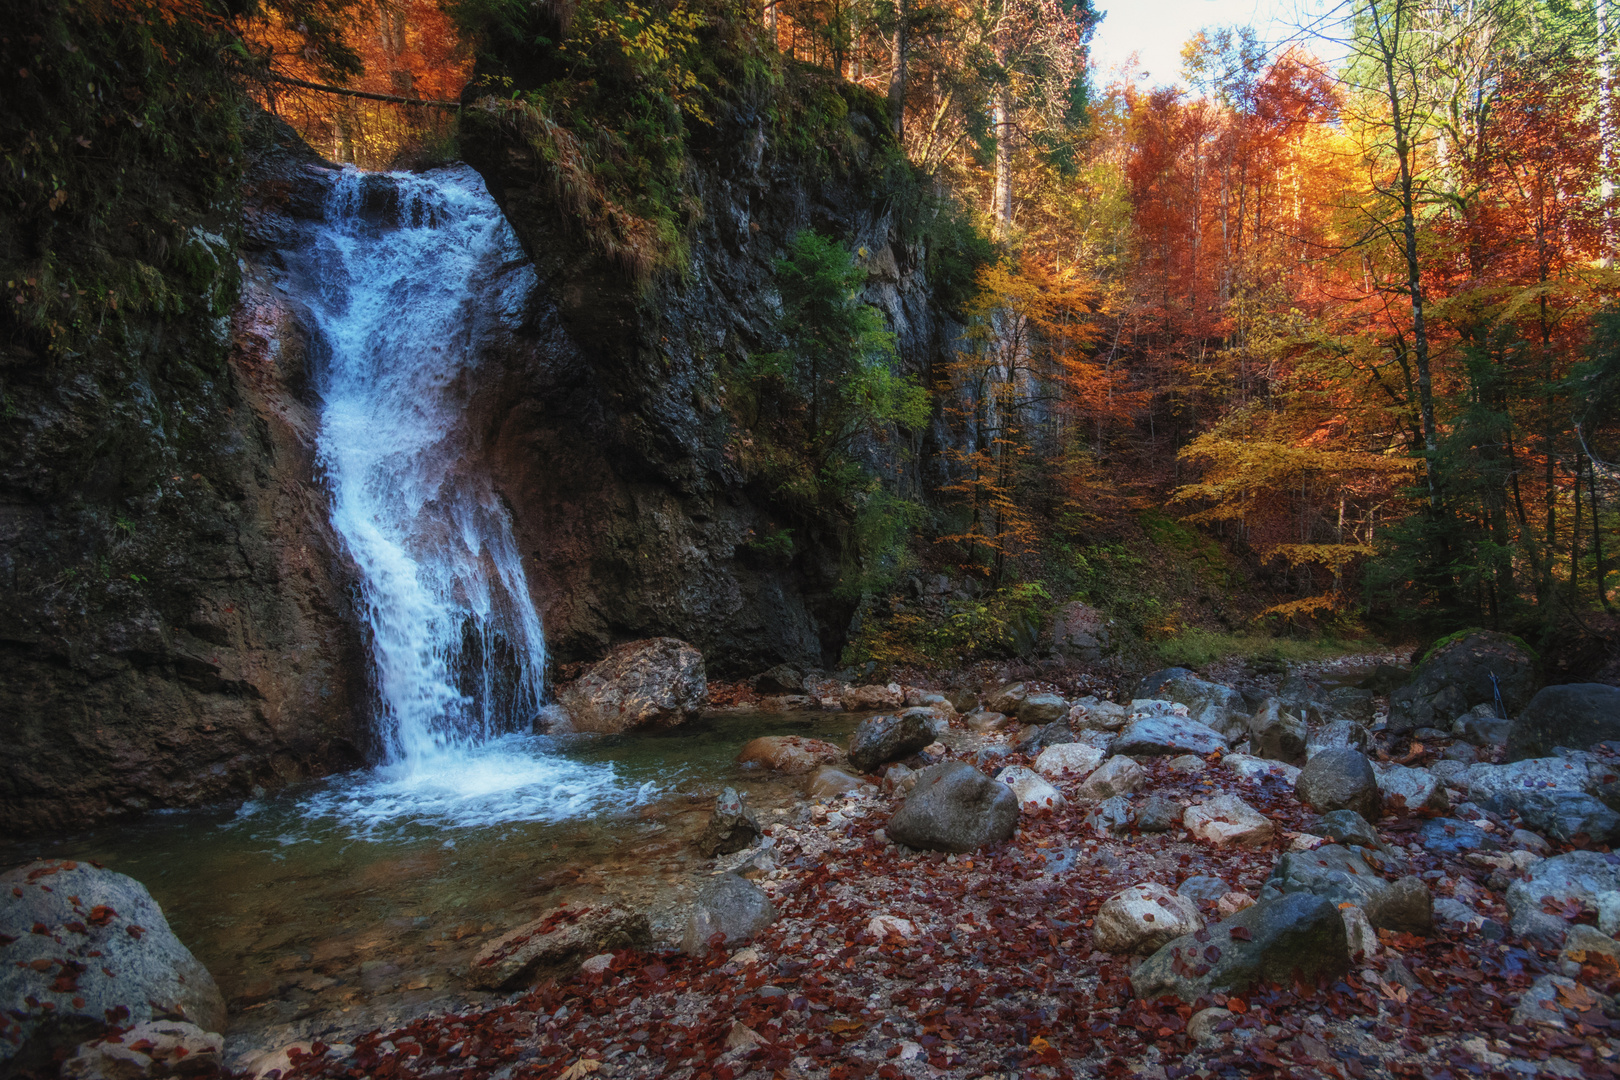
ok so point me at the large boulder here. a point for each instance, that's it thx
(1228, 821)
(1576, 715)
(1340, 779)
(955, 807)
(1295, 935)
(1162, 735)
(1580, 879)
(1079, 632)
(156, 1048)
(1209, 703)
(1117, 776)
(1142, 918)
(1069, 759)
(1458, 674)
(729, 909)
(1042, 709)
(81, 949)
(1277, 734)
(1565, 815)
(1339, 873)
(556, 943)
(1498, 787)
(882, 739)
(1006, 699)
(659, 681)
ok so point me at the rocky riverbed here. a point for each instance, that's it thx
(1187, 883)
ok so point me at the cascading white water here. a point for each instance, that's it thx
(400, 280)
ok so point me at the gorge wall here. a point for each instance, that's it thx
(608, 432)
(174, 621)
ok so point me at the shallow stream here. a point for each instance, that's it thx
(355, 900)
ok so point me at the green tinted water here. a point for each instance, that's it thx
(353, 901)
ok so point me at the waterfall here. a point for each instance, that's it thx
(403, 278)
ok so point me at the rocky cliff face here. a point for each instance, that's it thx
(174, 627)
(608, 432)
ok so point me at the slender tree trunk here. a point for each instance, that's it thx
(1597, 535)
(1608, 126)
(897, 72)
(1001, 120)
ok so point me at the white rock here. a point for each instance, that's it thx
(168, 1047)
(1142, 918)
(1249, 767)
(1231, 903)
(599, 963)
(1072, 759)
(1228, 821)
(1117, 776)
(1157, 707)
(882, 926)
(1034, 793)
(1415, 788)
(1358, 932)
(1189, 763)
(1608, 912)
(1304, 841)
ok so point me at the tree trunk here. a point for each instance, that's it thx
(1001, 119)
(897, 73)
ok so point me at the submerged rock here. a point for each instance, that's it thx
(789, 754)
(656, 682)
(954, 807)
(556, 943)
(83, 948)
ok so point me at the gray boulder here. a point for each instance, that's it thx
(1079, 631)
(1337, 734)
(1157, 814)
(82, 948)
(1457, 675)
(955, 807)
(1203, 888)
(1348, 827)
(781, 679)
(1211, 704)
(1110, 817)
(730, 906)
(656, 682)
(1498, 787)
(1042, 709)
(1453, 839)
(731, 828)
(1160, 735)
(1276, 734)
(881, 739)
(1352, 703)
(1341, 875)
(1006, 699)
(1293, 935)
(1557, 1001)
(1037, 739)
(1564, 815)
(1579, 878)
(1340, 780)
(1577, 715)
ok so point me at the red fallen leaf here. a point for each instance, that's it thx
(1240, 933)
(1236, 1005)
(1212, 953)
(42, 964)
(100, 915)
(76, 927)
(135, 931)
(40, 928)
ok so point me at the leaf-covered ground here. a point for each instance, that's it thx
(996, 975)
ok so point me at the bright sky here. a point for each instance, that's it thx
(1157, 29)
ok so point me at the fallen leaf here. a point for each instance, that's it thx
(582, 1067)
